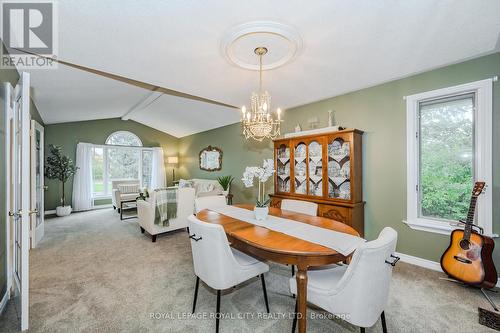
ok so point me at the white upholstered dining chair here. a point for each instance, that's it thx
(360, 289)
(212, 201)
(217, 264)
(299, 206)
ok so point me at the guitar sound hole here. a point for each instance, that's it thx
(464, 244)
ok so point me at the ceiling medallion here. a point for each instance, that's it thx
(258, 123)
(282, 41)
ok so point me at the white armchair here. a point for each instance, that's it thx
(360, 289)
(118, 195)
(146, 213)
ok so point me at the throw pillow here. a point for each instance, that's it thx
(185, 183)
(202, 187)
(209, 194)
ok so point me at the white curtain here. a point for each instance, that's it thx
(158, 176)
(82, 181)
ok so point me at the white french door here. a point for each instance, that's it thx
(19, 192)
(37, 190)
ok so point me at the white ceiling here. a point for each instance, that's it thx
(180, 117)
(68, 94)
(346, 45)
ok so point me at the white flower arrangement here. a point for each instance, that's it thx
(262, 174)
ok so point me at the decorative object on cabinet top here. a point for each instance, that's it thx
(313, 131)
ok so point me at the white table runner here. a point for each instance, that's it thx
(338, 241)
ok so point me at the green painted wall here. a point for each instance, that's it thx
(380, 111)
(97, 131)
(11, 76)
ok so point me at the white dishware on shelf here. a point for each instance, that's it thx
(315, 159)
(300, 178)
(300, 159)
(334, 169)
(315, 179)
(338, 180)
(300, 150)
(341, 153)
(346, 169)
(345, 190)
(284, 160)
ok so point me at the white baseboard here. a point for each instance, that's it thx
(435, 266)
(102, 206)
(53, 212)
(49, 212)
(4, 301)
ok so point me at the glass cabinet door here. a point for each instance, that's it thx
(283, 168)
(315, 169)
(339, 169)
(300, 169)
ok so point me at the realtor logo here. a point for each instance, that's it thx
(28, 32)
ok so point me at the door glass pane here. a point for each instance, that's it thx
(315, 169)
(38, 176)
(18, 187)
(300, 169)
(98, 171)
(283, 170)
(3, 180)
(446, 157)
(339, 169)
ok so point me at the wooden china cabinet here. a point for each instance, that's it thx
(323, 168)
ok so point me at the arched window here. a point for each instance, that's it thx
(123, 157)
(124, 138)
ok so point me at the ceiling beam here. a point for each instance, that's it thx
(137, 83)
(143, 103)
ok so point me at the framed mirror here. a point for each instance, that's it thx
(211, 159)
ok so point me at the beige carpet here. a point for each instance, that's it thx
(94, 273)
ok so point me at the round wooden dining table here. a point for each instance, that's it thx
(275, 246)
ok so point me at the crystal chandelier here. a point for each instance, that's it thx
(259, 123)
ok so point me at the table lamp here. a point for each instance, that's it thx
(173, 160)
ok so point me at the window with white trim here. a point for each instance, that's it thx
(449, 147)
(122, 157)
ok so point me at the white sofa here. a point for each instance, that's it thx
(206, 187)
(146, 213)
(117, 196)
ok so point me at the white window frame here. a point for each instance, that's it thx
(120, 132)
(483, 131)
(108, 191)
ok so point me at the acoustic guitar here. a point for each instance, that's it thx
(468, 258)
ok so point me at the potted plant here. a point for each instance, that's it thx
(263, 173)
(225, 182)
(60, 167)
